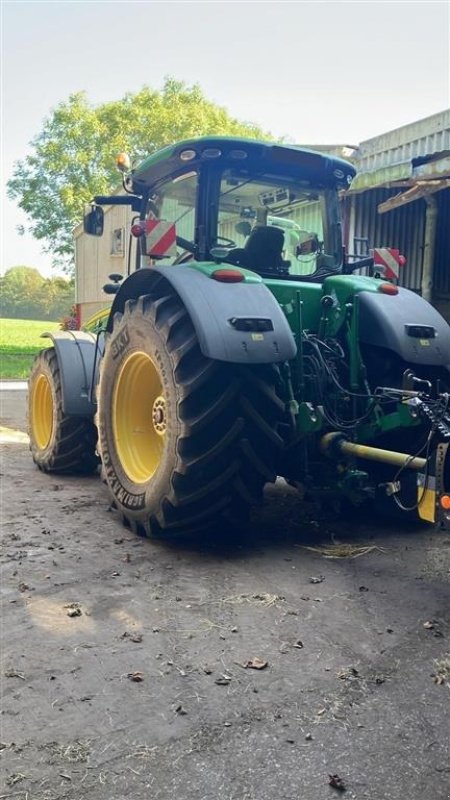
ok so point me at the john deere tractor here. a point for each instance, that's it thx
(242, 346)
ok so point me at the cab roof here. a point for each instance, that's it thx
(246, 154)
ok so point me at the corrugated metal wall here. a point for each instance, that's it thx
(441, 282)
(402, 228)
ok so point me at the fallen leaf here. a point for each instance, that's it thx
(180, 710)
(12, 673)
(73, 609)
(74, 612)
(223, 680)
(133, 637)
(317, 579)
(433, 625)
(255, 663)
(337, 783)
(137, 677)
(348, 673)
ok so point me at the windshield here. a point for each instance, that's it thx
(310, 243)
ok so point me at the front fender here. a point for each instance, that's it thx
(77, 355)
(212, 305)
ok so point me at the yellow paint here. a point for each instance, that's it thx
(424, 342)
(41, 411)
(99, 316)
(139, 417)
(427, 504)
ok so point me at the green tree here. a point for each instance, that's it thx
(26, 294)
(57, 297)
(20, 289)
(73, 157)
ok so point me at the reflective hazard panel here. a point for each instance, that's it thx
(389, 259)
(160, 238)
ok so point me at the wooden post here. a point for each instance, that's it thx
(429, 247)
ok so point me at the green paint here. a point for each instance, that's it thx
(209, 267)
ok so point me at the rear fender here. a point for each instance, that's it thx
(77, 356)
(402, 323)
(211, 305)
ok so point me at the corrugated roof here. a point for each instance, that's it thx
(396, 155)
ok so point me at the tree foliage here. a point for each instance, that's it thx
(26, 294)
(73, 157)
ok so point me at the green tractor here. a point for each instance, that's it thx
(242, 346)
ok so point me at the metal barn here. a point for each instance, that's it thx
(401, 198)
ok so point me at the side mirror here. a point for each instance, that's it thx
(93, 220)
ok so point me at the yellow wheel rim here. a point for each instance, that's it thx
(41, 411)
(139, 417)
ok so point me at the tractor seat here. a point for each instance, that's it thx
(262, 252)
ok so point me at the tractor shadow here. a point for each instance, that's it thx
(285, 520)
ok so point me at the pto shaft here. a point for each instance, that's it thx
(334, 443)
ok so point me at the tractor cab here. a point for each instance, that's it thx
(264, 207)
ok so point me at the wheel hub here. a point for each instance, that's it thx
(159, 415)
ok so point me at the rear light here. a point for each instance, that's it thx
(137, 229)
(388, 288)
(445, 502)
(227, 275)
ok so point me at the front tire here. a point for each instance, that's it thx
(185, 441)
(58, 442)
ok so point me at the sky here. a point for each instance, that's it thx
(314, 72)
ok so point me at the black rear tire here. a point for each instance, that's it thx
(58, 442)
(186, 442)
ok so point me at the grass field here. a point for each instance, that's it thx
(19, 342)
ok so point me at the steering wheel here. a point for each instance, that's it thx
(224, 240)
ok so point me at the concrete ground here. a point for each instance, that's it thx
(129, 667)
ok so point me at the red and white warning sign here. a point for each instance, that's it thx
(390, 260)
(160, 238)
